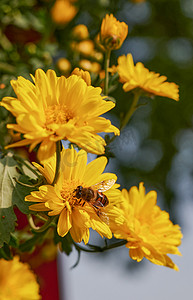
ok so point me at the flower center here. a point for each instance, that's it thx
(57, 114)
(68, 192)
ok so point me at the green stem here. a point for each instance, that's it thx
(41, 218)
(131, 110)
(31, 223)
(28, 185)
(95, 249)
(27, 164)
(50, 222)
(58, 158)
(107, 61)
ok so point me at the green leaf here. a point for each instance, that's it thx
(5, 252)
(11, 193)
(65, 242)
(29, 244)
(7, 224)
(14, 242)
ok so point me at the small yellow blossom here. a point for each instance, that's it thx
(147, 229)
(85, 47)
(77, 213)
(98, 56)
(64, 65)
(113, 33)
(56, 108)
(139, 77)
(91, 66)
(17, 281)
(80, 32)
(83, 74)
(63, 11)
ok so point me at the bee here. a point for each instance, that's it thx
(94, 196)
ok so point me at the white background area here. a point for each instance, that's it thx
(107, 277)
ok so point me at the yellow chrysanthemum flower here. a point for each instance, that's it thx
(56, 108)
(147, 229)
(139, 77)
(75, 197)
(113, 33)
(17, 281)
(83, 74)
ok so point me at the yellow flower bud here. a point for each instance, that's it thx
(80, 32)
(87, 65)
(113, 32)
(64, 65)
(97, 56)
(86, 47)
(63, 11)
(83, 74)
(96, 67)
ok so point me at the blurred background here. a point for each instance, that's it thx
(156, 146)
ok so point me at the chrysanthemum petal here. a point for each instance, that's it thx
(94, 169)
(64, 223)
(47, 172)
(80, 165)
(136, 254)
(19, 144)
(80, 225)
(47, 149)
(39, 207)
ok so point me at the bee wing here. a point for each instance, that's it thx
(104, 185)
(102, 215)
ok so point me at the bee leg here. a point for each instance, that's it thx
(97, 210)
(98, 213)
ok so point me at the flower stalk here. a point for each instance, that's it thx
(129, 114)
(95, 249)
(131, 110)
(107, 61)
(58, 158)
(50, 222)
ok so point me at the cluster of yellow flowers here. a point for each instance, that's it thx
(17, 281)
(78, 194)
(87, 54)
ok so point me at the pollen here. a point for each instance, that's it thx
(57, 114)
(68, 192)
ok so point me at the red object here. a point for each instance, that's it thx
(48, 279)
(46, 272)
(17, 35)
